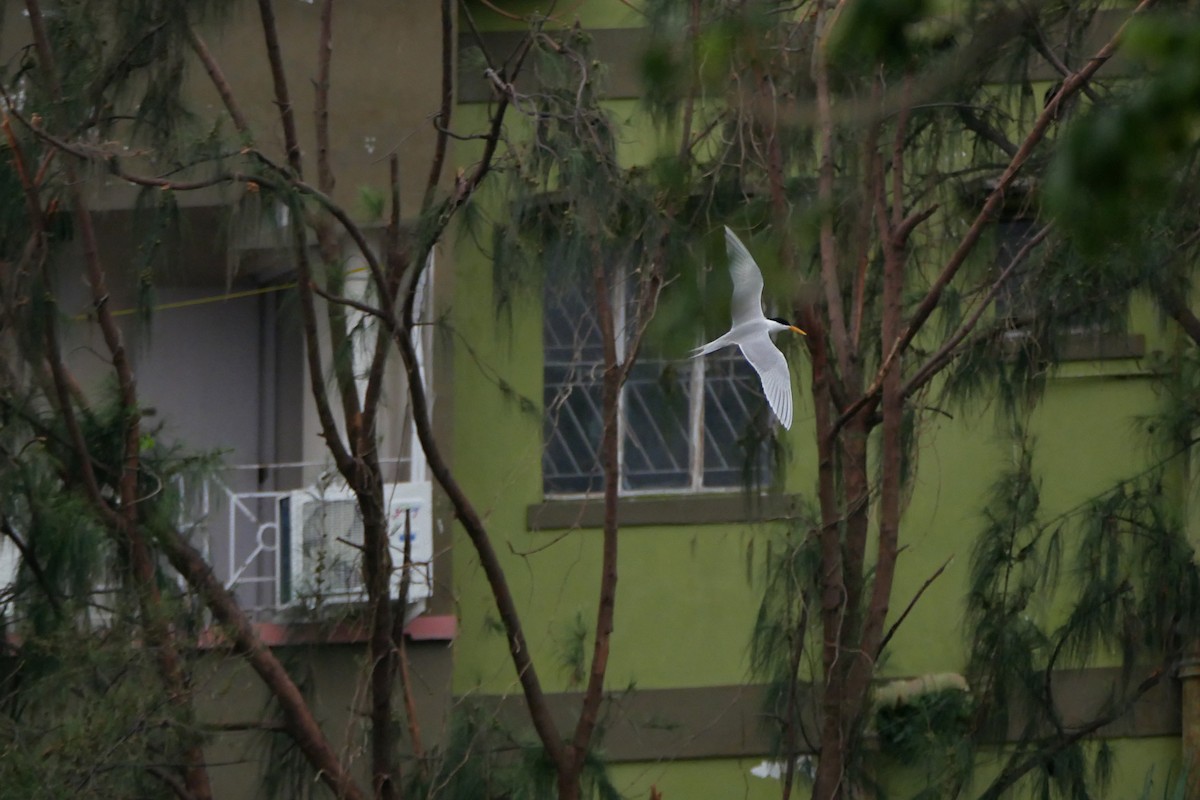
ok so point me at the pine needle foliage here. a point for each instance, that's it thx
(87, 721)
(121, 67)
(83, 708)
(1114, 578)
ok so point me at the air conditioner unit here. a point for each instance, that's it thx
(10, 560)
(322, 537)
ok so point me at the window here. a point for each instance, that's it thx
(1014, 296)
(1090, 323)
(685, 424)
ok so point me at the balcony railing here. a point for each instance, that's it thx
(238, 526)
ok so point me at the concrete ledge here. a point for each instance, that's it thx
(1097, 346)
(652, 724)
(733, 722)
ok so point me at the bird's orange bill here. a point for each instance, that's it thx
(797, 330)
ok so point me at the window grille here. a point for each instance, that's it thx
(685, 424)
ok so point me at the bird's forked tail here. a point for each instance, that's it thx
(712, 347)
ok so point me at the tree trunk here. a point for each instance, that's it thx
(302, 726)
(832, 580)
(377, 567)
(568, 784)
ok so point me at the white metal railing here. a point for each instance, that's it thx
(237, 526)
(236, 523)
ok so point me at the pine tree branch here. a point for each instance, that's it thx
(171, 782)
(220, 83)
(950, 348)
(867, 210)
(468, 517)
(892, 456)
(373, 393)
(609, 459)
(442, 120)
(312, 343)
(29, 184)
(1046, 750)
(335, 210)
(465, 187)
(689, 100)
(1179, 311)
(339, 335)
(1037, 38)
(978, 126)
(325, 177)
(301, 725)
(400, 643)
(832, 579)
(883, 643)
(396, 265)
(830, 280)
(966, 245)
(287, 116)
(30, 561)
(256, 725)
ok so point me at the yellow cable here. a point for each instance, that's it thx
(197, 301)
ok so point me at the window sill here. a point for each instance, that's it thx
(1091, 354)
(1097, 346)
(683, 509)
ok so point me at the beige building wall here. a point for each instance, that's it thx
(229, 374)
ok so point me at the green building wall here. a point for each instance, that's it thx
(688, 593)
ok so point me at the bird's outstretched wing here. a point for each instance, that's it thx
(747, 280)
(772, 369)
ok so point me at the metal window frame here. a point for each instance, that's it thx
(695, 381)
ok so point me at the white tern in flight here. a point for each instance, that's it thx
(752, 330)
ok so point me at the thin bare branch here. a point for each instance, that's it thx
(287, 115)
(1038, 39)
(985, 131)
(305, 288)
(1179, 311)
(610, 464)
(325, 179)
(30, 561)
(442, 121)
(200, 48)
(948, 350)
(883, 643)
(468, 517)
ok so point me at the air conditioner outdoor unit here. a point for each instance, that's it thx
(9, 562)
(323, 536)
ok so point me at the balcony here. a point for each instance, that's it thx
(291, 553)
